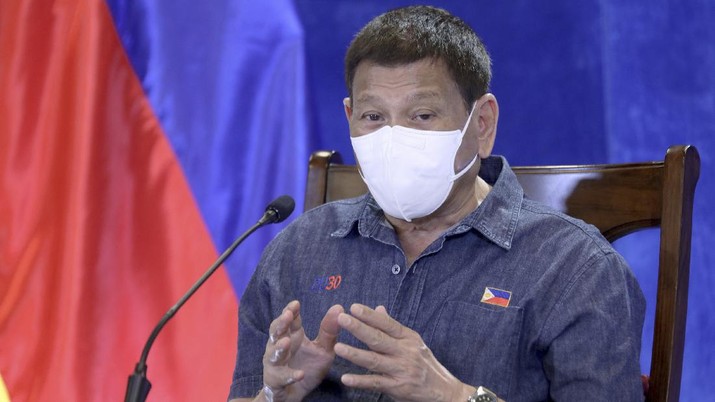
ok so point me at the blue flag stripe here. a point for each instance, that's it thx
(227, 81)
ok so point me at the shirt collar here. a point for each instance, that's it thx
(495, 218)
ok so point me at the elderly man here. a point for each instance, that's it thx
(444, 283)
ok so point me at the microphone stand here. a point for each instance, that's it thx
(138, 385)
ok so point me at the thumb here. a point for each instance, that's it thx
(329, 328)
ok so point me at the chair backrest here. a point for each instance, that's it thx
(616, 198)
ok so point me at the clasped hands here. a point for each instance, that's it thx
(399, 362)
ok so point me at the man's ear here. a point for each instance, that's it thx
(487, 118)
(348, 108)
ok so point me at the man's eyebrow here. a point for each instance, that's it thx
(367, 98)
(422, 95)
(417, 96)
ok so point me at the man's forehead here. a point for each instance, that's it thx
(369, 67)
(418, 81)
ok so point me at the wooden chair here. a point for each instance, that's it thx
(618, 199)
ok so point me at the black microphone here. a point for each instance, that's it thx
(138, 385)
(278, 210)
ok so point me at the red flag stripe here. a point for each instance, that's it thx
(99, 233)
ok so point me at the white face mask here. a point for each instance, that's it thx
(410, 172)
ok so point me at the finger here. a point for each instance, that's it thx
(370, 381)
(282, 323)
(277, 354)
(279, 326)
(379, 319)
(277, 377)
(296, 333)
(297, 323)
(374, 338)
(277, 373)
(372, 361)
(329, 328)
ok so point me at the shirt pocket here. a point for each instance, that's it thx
(478, 343)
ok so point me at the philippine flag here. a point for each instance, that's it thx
(496, 297)
(137, 140)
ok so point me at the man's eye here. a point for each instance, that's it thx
(372, 116)
(424, 116)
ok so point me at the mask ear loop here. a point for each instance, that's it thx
(469, 118)
(461, 138)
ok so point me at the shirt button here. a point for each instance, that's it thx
(395, 269)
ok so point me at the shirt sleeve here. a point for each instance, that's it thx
(254, 319)
(593, 334)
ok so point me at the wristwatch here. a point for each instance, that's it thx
(483, 395)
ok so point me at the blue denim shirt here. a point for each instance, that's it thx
(517, 297)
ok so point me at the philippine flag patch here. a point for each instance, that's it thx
(496, 297)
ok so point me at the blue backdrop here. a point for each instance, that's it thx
(577, 82)
(246, 89)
